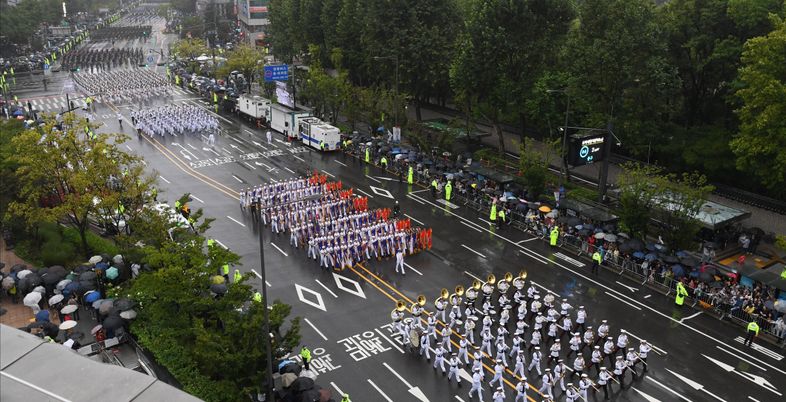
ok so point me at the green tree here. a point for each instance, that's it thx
(66, 175)
(760, 145)
(620, 72)
(534, 165)
(213, 345)
(637, 198)
(244, 58)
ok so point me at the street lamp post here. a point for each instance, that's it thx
(565, 170)
(395, 59)
(266, 314)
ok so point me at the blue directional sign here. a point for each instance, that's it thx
(586, 149)
(277, 73)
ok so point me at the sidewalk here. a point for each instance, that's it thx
(766, 220)
(16, 314)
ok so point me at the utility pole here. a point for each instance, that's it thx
(565, 169)
(604, 168)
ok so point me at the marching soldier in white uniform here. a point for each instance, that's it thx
(463, 350)
(498, 370)
(425, 345)
(535, 362)
(454, 369)
(439, 358)
(547, 381)
(477, 387)
(521, 391)
(521, 360)
(560, 370)
(644, 348)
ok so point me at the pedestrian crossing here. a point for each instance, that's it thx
(54, 103)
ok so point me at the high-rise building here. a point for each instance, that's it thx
(253, 19)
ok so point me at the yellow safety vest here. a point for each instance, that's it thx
(753, 327)
(493, 214)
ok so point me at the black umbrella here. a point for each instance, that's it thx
(689, 261)
(669, 259)
(218, 288)
(632, 245)
(33, 280)
(87, 276)
(41, 271)
(57, 270)
(18, 267)
(573, 221)
(81, 269)
(113, 322)
(290, 368)
(302, 384)
(50, 279)
(124, 304)
(609, 227)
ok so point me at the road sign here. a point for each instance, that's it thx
(276, 73)
(150, 58)
(586, 149)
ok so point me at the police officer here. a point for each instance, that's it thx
(752, 331)
(305, 355)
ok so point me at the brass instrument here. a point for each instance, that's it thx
(504, 284)
(442, 300)
(518, 282)
(417, 306)
(397, 314)
(488, 286)
(472, 291)
(455, 298)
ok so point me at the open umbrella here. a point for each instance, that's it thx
(55, 299)
(638, 254)
(42, 315)
(87, 276)
(128, 315)
(113, 322)
(610, 238)
(706, 277)
(23, 273)
(94, 259)
(124, 304)
(287, 379)
(101, 266)
(66, 325)
(57, 270)
(69, 309)
(689, 261)
(96, 329)
(96, 304)
(33, 280)
(309, 374)
(70, 288)
(780, 305)
(8, 283)
(62, 284)
(600, 235)
(92, 296)
(112, 273)
(678, 270)
(217, 279)
(302, 384)
(39, 289)
(669, 259)
(51, 279)
(623, 235)
(18, 268)
(218, 288)
(117, 259)
(573, 221)
(544, 209)
(32, 299)
(651, 257)
(633, 245)
(106, 307)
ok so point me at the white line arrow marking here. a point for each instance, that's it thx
(695, 385)
(415, 391)
(758, 380)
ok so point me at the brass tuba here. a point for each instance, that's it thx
(455, 298)
(488, 286)
(472, 291)
(417, 306)
(442, 300)
(518, 282)
(398, 313)
(504, 284)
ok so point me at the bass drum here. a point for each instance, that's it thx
(414, 338)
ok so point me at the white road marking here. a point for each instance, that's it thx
(458, 398)
(417, 221)
(221, 244)
(250, 165)
(472, 227)
(389, 340)
(678, 395)
(236, 140)
(196, 198)
(226, 150)
(340, 163)
(337, 388)
(407, 384)
(371, 178)
(129, 148)
(164, 179)
(357, 290)
(649, 398)
(415, 391)
(238, 179)
(298, 158)
(569, 259)
(413, 268)
(260, 277)
(328, 173)
(448, 204)
(753, 399)
(143, 162)
(527, 240)
(191, 146)
(534, 257)
(743, 359)
(363, 192)
(623, 300)
(420, 191)
(631, 288)
(654, 348)
(326, 288)
(379, 390)
(417, 200)
(280, 250)
(761, 349)
(758, 380)
(647, 296)
(236, 221)
(690, 316)
(318, 332)
(318, 304)
(468, 248)
(289, 170)
(471, 275)
(695, 385)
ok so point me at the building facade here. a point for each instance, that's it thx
(253, 20)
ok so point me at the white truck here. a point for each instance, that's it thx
(314, 132)
(254, 108)
(285, 120)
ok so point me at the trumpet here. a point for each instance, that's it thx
(398, 313)
(504, 284)
(518, 282)
(440, 301)
(488, 286)
(455, 298)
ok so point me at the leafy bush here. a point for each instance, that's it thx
(57, 252)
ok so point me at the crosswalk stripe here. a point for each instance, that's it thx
(761, 349)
